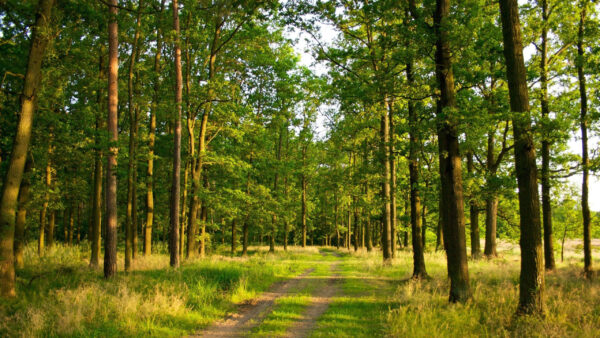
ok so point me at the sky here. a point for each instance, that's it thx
(328, 34)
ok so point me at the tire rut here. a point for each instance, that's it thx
(250, 315)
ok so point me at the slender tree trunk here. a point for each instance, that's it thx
(96, 227)
(203, 218)
(43, 217)
(419, 270)
(245, 238)
(23, 201)
(337, 228)
(450, 162)
(151, 142)
(233, 239)
(304, 183)
(78, 229)
(491, 202)
(110, 241)
(474, 215)
(356, 225)
(546, 199)
(424, 220)
(392, 157)
(50, 234)
(16, 165)
(531, 286)
(197, 171)
(385, 189)
(584, 122)
(132, 142)
(176, 184)
(183, 211)
(71, 223)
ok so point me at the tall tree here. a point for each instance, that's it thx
(585, 162)
(12, 181)
(110, 240)
(176, 186)
(450, 161)
(531, 286)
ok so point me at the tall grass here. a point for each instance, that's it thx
(60, 295)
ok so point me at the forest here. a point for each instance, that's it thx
(296, 168)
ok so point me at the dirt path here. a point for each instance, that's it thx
(319, 304)
(250, 315)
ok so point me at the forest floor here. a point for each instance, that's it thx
(316, 292)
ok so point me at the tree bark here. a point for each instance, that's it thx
(450, 162)
(110, 241)
(531, 287)
(16, 165)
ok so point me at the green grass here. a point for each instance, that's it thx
(59, 295)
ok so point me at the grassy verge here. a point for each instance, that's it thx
(59, 295)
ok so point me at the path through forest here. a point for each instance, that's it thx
(253, 313)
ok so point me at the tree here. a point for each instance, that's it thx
(585, 162)
(175, 188)
(110, 240)
(450, 162)
(531, 286)
(12, 181)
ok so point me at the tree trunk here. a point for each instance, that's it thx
(337, 228)
(23, 201)
(584, 122)
(132, 142)
(392, 157)
(110, 241)
(419, 270)
(16, 165)
(50, 234)
(356, 225)
(303, 197)
(176, 184)
(385, 187)
(531, 287)
(94, 236)
(245, 238)
(43, 212)
(233, 239)
(151, 142)
(546, 199)
(203, 218)
(473, 215)
(71, 223)
(450, 162)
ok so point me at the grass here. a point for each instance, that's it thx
(59, 295)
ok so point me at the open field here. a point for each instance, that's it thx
(316, 292)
